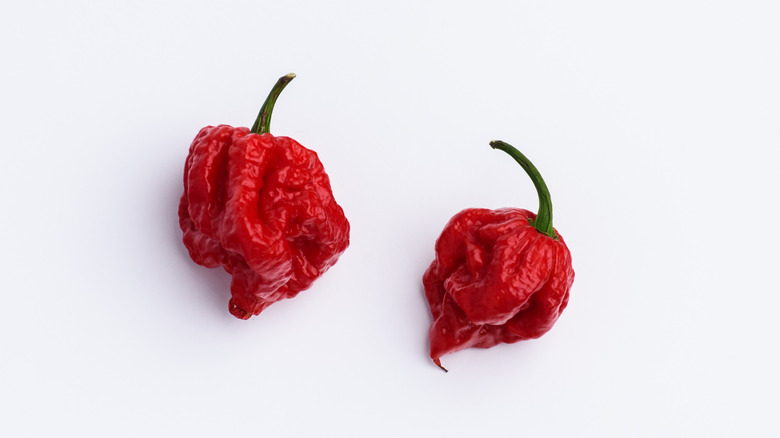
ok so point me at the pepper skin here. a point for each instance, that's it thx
(262, 207)
(499, 276)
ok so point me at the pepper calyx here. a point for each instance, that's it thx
(543, 221)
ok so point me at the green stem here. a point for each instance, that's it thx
(543, 222)
(263, 123)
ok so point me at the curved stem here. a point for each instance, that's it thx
(543, 222)
(263, 123)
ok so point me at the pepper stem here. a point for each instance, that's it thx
(263, 123)
(543, 222)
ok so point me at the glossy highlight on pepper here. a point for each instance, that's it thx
(499, 276)
(261, 207)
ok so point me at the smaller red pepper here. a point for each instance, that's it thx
(499, 276)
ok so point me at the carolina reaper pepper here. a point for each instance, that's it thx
(499, 275)
(262, 207)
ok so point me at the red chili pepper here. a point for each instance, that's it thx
(261, 207)
(499, 275)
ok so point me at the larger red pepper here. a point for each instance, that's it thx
(261, 207)
(499, 275)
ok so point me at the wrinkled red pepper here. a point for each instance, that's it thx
(499, 275)
(261, 207)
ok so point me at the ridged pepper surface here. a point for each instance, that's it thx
(261, 207)
(499, 276)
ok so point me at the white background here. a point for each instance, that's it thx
(655, 123)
